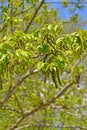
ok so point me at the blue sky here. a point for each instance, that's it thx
(64, 14)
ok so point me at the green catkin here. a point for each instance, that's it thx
(54, 78)
(0, 82)
(58, 77)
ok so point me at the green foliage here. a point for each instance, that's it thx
(51, 58)
(35, 68)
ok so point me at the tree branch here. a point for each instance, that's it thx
(3, 28)
(30, 22)
(42, 106)
(12, 88)
(53, 126)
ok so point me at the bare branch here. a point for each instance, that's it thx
(30, 22)
(53, 126)
(2, 28)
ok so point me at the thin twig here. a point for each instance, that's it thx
(24, 11)
(53, 106)
(6, 107)
(72, 3)
(18, 102)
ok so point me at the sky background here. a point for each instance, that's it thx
(64, 14)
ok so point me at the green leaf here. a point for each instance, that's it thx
(43, 48)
